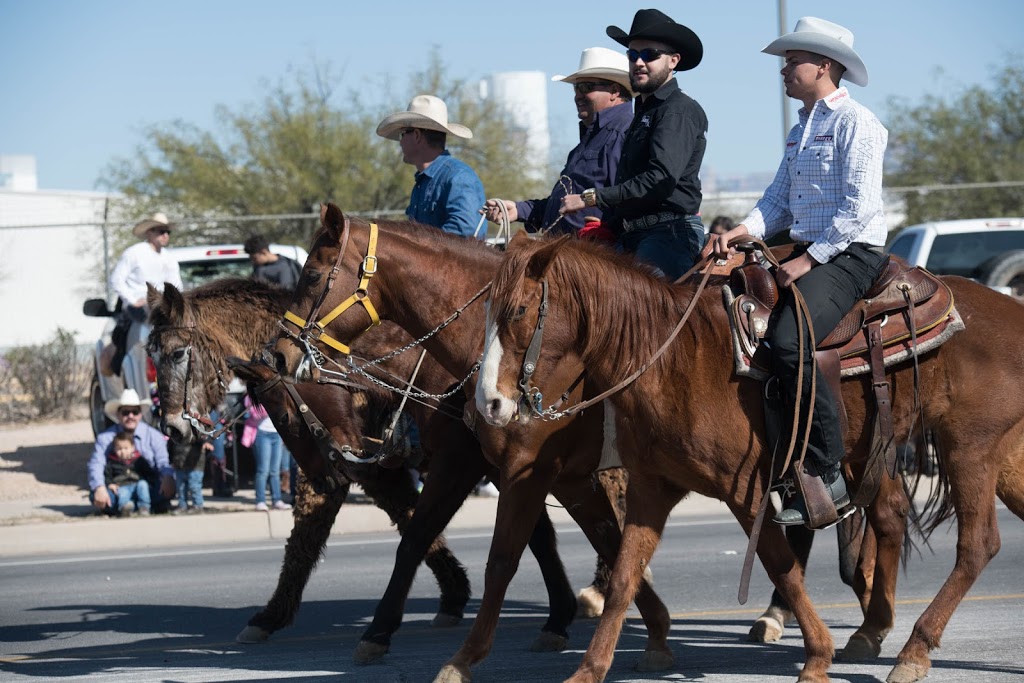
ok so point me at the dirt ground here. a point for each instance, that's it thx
(44, 460)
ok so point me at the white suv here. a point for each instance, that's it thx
(198, 265)
(989, 250)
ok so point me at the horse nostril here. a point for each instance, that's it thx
(495, 405)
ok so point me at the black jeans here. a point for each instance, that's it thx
(830, 290)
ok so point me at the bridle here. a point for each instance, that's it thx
(310, 329)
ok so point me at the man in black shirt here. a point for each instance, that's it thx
(270, 267)
(653, 205)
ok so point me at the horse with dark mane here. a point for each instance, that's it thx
(705, 431)
(420, 276)
(194, 333)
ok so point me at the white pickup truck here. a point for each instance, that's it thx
(989, 250)
(197, 265)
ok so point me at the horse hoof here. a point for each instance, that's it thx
(589, 603)
(765, 630)
(860, 648)
(907, 672)
(549, 642)
(442, 620)
(451, 674)
(655, 660)
(368, 651)
(252, 634)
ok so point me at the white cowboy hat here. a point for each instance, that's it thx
(157, 220)
(128, 397)
(425, 111)
(825, 38)
(600, 62)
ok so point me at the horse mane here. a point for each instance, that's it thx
(616, 287)
(417, 231)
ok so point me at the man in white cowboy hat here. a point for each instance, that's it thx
(653, 205)
(145, 262)
(447, 194)
(604, 104)
(126, 413)
(828, 191)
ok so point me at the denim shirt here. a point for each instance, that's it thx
(592, 163)
(448, 195)
(149, 442)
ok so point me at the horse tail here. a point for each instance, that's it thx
(937, 507)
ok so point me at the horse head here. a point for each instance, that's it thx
(188, 378)
(520, 340)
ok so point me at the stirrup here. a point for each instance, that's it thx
(841, 514)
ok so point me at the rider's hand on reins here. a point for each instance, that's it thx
(722, 247)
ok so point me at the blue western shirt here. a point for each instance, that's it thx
(448, 195)
(592, 163)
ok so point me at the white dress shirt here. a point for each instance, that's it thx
(139, 264)
(828, 189)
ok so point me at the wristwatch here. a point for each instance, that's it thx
(589, 197)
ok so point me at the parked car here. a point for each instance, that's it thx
(989, 250)
(197, 265)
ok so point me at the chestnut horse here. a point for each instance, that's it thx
(422, 276)
(705, 431)
(202, 327)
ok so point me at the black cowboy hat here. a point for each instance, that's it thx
(650, 24)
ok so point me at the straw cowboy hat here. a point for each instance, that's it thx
(157, 220)
(128, 397)
(600, 62)
(425, 111)
(824, 38)
(650, 24)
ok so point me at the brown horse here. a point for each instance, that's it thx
(422, 276)
(193, 334)
(704, 433)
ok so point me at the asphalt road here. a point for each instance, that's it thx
(173, 615)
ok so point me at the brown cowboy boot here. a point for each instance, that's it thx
(834, 491)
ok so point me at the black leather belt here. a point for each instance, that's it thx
(641, 222)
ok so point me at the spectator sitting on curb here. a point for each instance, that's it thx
(126, 476)
(126, 412)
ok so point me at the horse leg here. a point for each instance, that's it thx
(785, 572)
(769, 626)
(648, 503)
(420, 519)
(519, 507)
(597, 515)
(314, 514)
(590, 601)
(973, 489)
(561, 600)
(862, 578)
(887, 523)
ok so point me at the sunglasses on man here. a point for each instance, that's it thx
(648, 54)
(161, 231)
(587, 87)
(125, 412)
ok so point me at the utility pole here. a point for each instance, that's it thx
(786, 123)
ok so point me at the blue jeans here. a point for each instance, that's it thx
(189, 483)
(137, 493)
(670, 247)
(267, 450)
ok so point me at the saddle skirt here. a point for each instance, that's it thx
(751, 294)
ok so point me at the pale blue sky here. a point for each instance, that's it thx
(79, 80)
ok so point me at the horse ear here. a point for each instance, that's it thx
(332, 219)
(154, 299)
(542, 258)
(172, 304)
(244, 370)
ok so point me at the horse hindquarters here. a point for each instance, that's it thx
(314, 514)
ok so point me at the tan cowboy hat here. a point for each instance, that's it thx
(425, 111)
(157, 220)
(650, 24)
(824, 38)
(602, 63)
(128, 397)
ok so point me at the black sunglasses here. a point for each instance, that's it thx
(648, 54)
(161, 231)
(587, 87)
(125, 412)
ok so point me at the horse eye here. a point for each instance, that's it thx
(178, 355)
(314, 276)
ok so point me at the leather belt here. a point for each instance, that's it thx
(641, 222)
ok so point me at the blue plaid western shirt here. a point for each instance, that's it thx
(828, 189)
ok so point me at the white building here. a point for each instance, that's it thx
(524, 95)
(51, 257)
